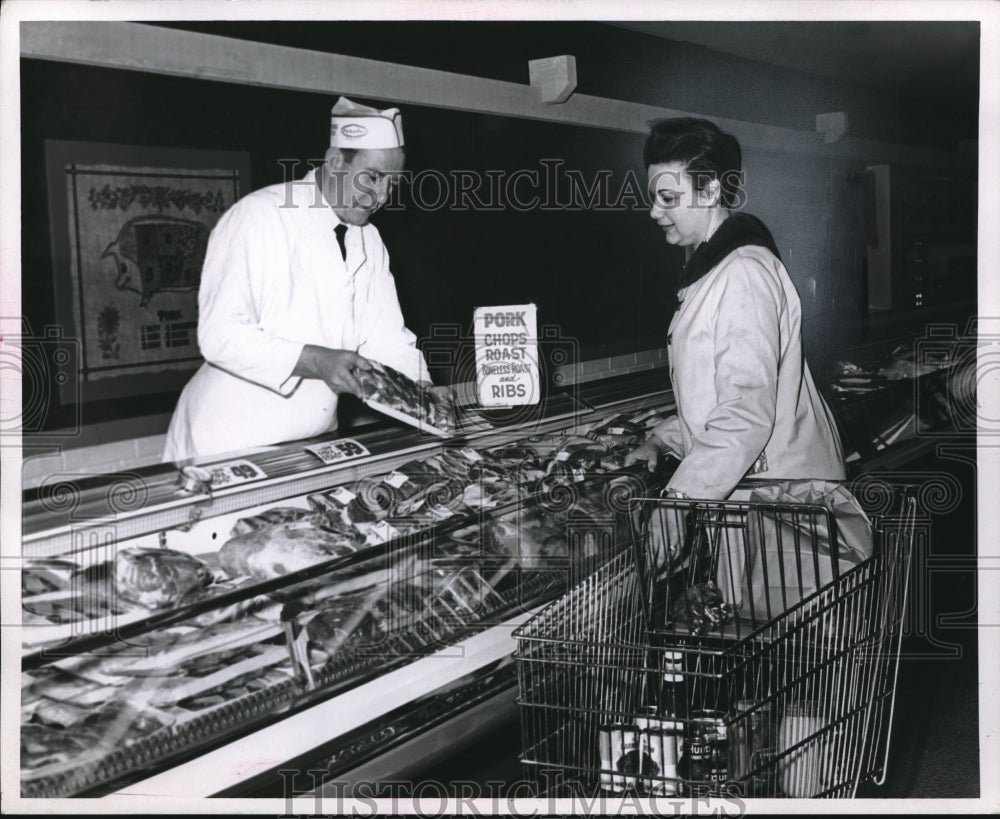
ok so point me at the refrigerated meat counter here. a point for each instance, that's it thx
(307, 607)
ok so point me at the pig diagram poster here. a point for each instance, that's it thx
(137, 240)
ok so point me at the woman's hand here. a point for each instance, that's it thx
(649, 452)
(666, 531)
(335, 367)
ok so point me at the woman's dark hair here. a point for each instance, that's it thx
(706, 151)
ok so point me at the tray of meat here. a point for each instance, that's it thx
(264, 550)
(621, 430)
(72, 752)
(158, 577)
(393, 394)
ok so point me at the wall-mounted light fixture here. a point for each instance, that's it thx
(833, 127)
(554, 77)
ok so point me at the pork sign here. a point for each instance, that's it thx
(507, 372)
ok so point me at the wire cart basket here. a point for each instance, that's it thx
(757, 657)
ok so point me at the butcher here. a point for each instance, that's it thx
(296, 297)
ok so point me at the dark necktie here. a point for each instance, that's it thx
(341, 230)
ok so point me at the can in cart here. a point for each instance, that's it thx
(660, 741)
(662, 745)
(707, 753)
(619, 749)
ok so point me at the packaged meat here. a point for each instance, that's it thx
(396, 395)
(282, 548)
(89, 594)
(419, 483)
(462, 464)
(620, 430)
(157, 577)
(345, 624)
(522, 461)
(271, 517)
(373, 501)
(515, 454)
(223, 674)
(47, 748)
(180, 650)
(525, 534)
(701, 608)
(39, 576)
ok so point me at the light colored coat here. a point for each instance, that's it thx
(746, 401)
(274, 281)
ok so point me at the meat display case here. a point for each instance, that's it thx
(307, 607)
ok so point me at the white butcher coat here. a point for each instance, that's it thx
(274, 281)
(746, 400)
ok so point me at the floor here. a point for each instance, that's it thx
(935, 739)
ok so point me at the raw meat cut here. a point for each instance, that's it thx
(282, 548)
(391, 392)
(156, 577)
(270, 517)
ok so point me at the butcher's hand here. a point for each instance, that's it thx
(650, 452)
(446, 394)
(335, 367)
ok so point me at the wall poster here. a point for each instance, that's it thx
(130, 226)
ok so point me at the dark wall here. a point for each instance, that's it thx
(603, 275)
(626, 65)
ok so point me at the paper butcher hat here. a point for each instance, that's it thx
(358, 126)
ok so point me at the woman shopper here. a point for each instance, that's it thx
(747, 404)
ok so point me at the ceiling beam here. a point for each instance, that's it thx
(174, 52)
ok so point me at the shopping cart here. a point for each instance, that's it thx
(751, 660)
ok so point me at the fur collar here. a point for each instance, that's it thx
(739, 230)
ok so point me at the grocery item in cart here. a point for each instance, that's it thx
(701, 608)
(394, 394)
(623, 758)
(635, 763)
(706, 753)
(661, 737)
(752, 746)
(157, 577)
(662, 744)
(803, 768)
(792, 555)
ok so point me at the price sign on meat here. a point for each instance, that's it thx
(344, 449)
(235, 472)
(507, 355)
